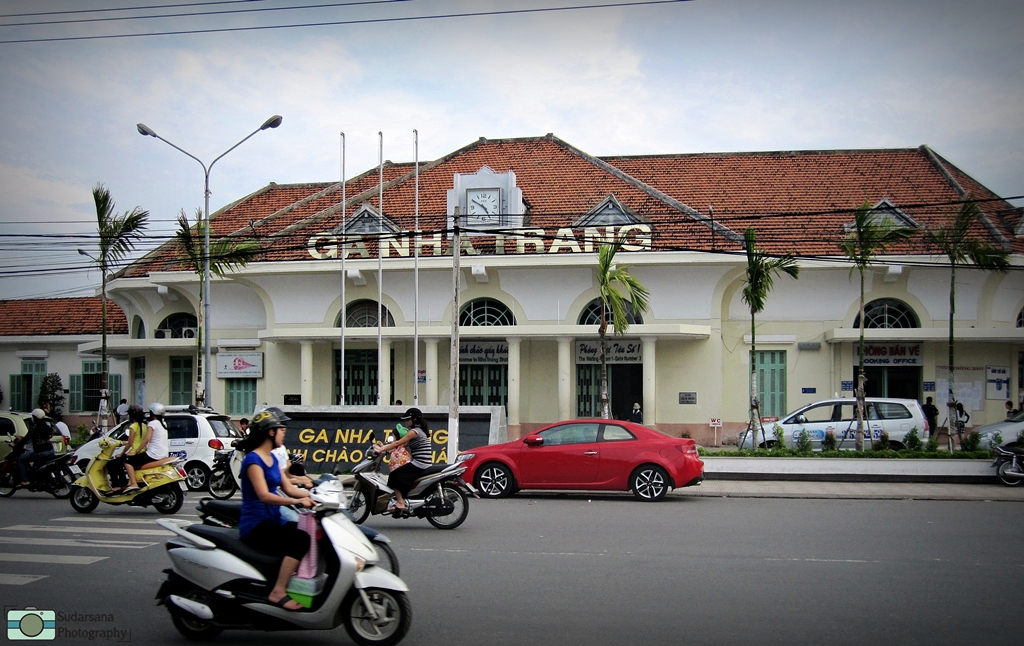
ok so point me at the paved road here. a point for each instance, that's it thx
(595, 570)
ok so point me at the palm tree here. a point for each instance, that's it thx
(616, 304)
(869, 236)
(761, 270)
(118, 233)
(226, 254)
(956, 243)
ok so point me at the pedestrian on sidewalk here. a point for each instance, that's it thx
(931, 413)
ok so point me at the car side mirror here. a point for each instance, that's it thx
(800, 419)
(534, 440)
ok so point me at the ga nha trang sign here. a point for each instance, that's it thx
(889, 354)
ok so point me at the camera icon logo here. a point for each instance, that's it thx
(31, 623)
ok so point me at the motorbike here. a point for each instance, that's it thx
(1009, 463)
(54, 475)
(221, 513)
(222, 480)
(217, 583)
(440, 495)
(161, 486)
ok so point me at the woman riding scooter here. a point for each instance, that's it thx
(417, 441)
(260, 525)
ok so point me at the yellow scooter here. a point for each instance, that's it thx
(161, 486)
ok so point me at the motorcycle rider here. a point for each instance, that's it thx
(261, 525)
(158, 445)
(41, 447)
(417, 441)
(134, 454)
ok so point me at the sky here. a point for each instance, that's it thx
(679, 77)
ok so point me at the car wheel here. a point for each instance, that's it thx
(7, 484)
(495, 481)
(169, 499)
(896, 446)
(1009, 480)
(83, 500)
(649, 483)
(197, 476)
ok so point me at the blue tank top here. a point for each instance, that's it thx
(255, 512)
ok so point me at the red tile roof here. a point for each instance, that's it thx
(798, 201)
(52, 316)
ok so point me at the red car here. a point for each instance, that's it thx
(586, 454)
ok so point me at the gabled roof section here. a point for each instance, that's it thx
(610, 212)
(59, 316)
(367, 220)
(885, 211)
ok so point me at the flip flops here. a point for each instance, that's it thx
(128, 490)
(282, 603)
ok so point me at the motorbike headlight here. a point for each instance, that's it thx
(360, 564)
(464, 456)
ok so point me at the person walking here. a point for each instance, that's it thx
(121, 412)
(637, 416)
(931, 414)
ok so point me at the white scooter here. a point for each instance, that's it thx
(218, 583)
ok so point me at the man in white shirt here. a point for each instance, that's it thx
(121, 411)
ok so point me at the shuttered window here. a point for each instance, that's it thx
(771, 382)
(241, 396)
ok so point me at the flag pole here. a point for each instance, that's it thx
(343, 250)
(380, 267)
(416, 281)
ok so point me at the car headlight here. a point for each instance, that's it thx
(464, 456)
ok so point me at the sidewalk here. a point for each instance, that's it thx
(853, 490)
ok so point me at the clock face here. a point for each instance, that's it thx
(484, 204)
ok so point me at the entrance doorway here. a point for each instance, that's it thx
(625, 388)
(360, 377)
(901, 382)
(483, 384)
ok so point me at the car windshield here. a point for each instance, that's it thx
(223, 428)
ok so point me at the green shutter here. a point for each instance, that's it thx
(16, 395)
(114, 386)
(75, 394)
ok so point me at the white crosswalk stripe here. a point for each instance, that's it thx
(79, 532)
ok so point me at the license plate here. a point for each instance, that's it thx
(75, 471)
(182, 485)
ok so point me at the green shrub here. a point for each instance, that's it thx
(970, 442)
(1020, 435)
(932, 445)
(803, 443)
(780, 435)
(685, 434)
(829, 443)
(80, 436)
(997, 439)
(882, 443)
(912, 441)
(51, 393)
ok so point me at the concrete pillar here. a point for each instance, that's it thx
(306, 372)
(565, 378)
(384, 373)
(513, 380)
(431, 367)
(650, 401)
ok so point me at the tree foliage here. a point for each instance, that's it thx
(51, 392)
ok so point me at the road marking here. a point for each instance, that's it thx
(134, 521)
(89, 530)
(824, 560)
(20, 579)
(77, 542)
(429, 549)
(57, 559)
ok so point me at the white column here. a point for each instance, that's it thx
(431, 367)
(650, 401)
(384, 373)
(564, 378)
(306, 373)
(513, 380)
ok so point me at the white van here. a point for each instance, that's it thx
(897, 417)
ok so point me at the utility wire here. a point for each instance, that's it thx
(367, 21)
(109, 9)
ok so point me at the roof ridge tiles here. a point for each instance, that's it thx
(940, 165)
(757, 153)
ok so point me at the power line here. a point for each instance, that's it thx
(366, 21)
(109, 9)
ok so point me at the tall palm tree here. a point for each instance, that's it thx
(616, 304)
(760, 275)
(118, 233)
(955, 241)
(868, 237)
(226, 254)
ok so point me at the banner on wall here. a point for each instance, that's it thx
(619, 351)
(234, 365)
(483, 352)
(970, 387)
(997, 382)
(889, 354)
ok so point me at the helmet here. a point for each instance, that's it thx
(156, 409)
(136, 414)
(268, 419)
(37, 413)
(412, 413)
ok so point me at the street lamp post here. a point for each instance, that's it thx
(146, 131)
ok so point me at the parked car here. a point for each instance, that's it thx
(586, 454)
(15, 425)
(194, 434)
(897, 417)
(1009, 429)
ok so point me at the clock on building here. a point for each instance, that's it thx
(483, 204)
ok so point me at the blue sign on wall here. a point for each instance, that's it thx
(929, 386)
(846, 386)
(808, 391)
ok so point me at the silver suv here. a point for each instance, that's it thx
(193, 433)
(897, 417)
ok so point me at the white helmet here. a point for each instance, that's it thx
(156, 409)
(38, 413)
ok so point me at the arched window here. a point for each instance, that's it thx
(591, 314)
(1020, 318)
(364, 314)
(180, 325)
(139, 328)
(887, 313)
(486, 312)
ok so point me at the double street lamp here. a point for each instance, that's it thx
(146, 131)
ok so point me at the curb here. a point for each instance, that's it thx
(952, 471)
